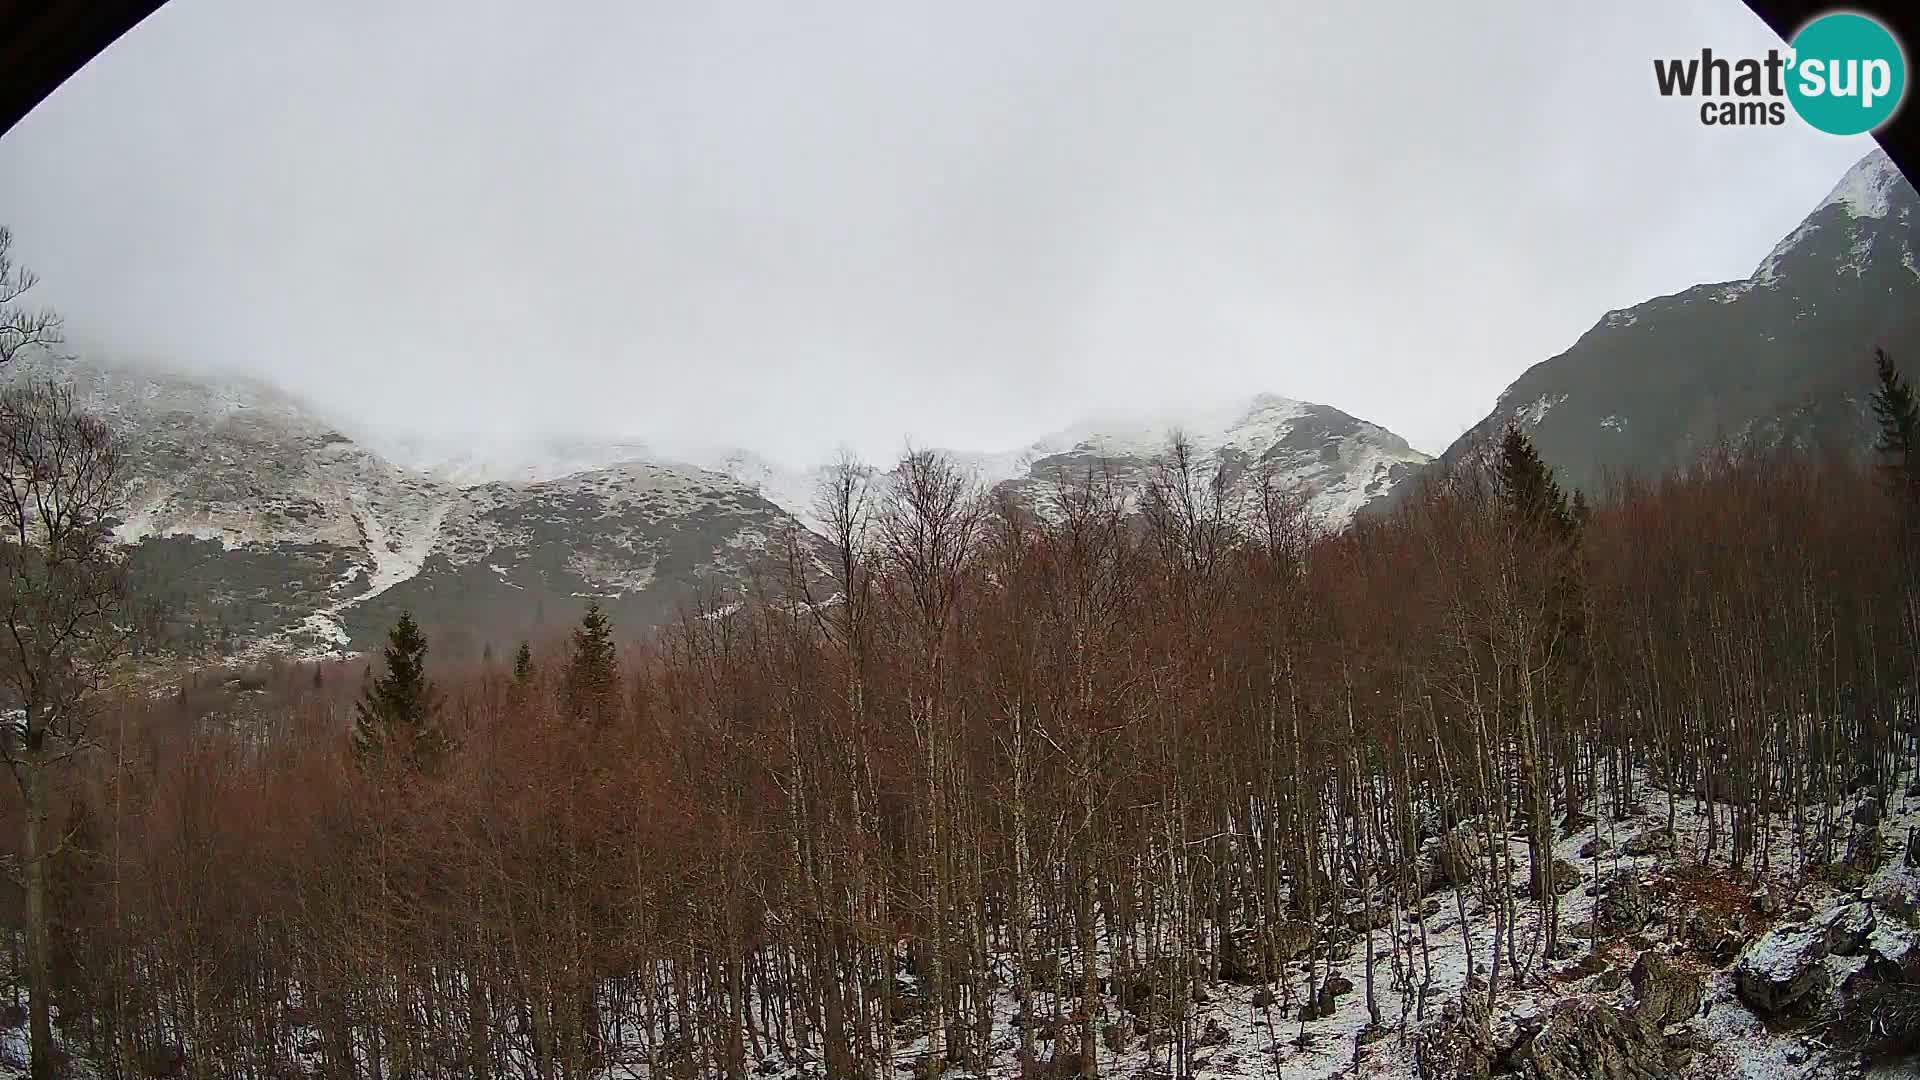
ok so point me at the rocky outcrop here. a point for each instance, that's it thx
(1898, 895)
(1247, 960)
(1713, 937)
(1782, 973)
(1584, 1041)
(1664, 992)
(1458, 1045)
(1649, 842)
(1623, 907)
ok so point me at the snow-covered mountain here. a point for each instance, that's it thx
(270, 529)
(274, 529)
(1784, 354)
(1337, 461)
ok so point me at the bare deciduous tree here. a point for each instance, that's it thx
(62, 591)
(22, 328)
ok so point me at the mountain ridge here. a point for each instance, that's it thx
(283, 531)
(1783, 355)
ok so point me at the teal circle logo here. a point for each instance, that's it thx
(1848, 74)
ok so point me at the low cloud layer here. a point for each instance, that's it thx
(788, 226)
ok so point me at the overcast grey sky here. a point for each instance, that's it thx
(790, 225)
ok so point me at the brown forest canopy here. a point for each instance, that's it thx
(1157, 733)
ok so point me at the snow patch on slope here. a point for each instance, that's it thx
(1866, 191)
(1536, 410)
(1244, 426)
(796, 491)
(398, 555)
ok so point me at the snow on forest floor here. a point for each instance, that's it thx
(1243, 1039)
(1734, 1043)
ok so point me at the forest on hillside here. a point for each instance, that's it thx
(1007, 778)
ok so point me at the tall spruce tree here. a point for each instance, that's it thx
(1899, 444)
(523, 665)
(593, 675)
(1527, 488)
(1545, 524)
(394, 724)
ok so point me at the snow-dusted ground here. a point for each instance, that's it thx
(1240, 1035)
(1269, 1041)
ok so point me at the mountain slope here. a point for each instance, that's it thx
(638, 538)
(1784, 354)
(1337, 461)
(260, 527)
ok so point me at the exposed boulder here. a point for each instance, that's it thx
(1585, 1041)
(1247, 960)
(1566, 877)
(1894, 944)
(1588, 965)
(1291, 939)
(1623, 907)
(1453, 857)
(1650, 842)
(1848, 927)
(1362, 919)
(1714, 938)
(1322, 1002)
(1898, 895)
(1458, 1045)
(1782, 972)
(1664, 992)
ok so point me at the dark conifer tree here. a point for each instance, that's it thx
(523, 665)
(1527, 488)
(1899, 417)
(395, 720)
(593, 674)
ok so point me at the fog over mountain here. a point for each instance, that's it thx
(736, 224)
